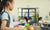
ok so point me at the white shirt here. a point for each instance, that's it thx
(41, 22)
(5, 16)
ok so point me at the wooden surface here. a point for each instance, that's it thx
(37, 28)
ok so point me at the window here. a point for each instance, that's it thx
(28, 12)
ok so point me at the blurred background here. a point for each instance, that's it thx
(42, 5)
(31, 10)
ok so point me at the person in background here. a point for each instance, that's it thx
(7, 21)
(41, 21)
(26, 19)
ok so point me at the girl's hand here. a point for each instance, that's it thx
(19, 29)
(14, 29)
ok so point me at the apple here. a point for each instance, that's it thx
(27, 25)
(30, 28)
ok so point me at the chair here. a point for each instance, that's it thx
(43, 28)
(49, 26)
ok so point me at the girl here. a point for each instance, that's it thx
(41, 21)
(5, 7)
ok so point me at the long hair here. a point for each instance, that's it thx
(3, 3)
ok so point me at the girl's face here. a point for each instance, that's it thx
(11, 5)
(40, 19)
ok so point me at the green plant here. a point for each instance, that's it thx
(36, 18)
